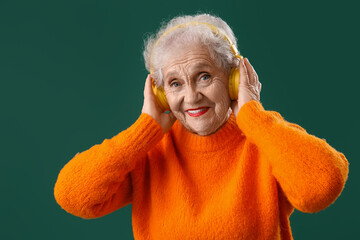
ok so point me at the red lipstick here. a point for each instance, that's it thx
(196, 112)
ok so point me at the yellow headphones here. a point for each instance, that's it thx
(234, 73)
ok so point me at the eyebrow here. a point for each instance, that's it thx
(194, 68)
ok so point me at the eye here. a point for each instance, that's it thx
(174, 84)
(205, 77)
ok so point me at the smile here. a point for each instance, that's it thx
(197, 112)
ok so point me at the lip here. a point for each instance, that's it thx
(203, 111)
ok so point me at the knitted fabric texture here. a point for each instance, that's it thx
(242, 182)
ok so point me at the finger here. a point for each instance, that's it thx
(244, 77)
(251, 72)
(148, 88)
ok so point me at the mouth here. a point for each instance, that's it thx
(197, 111)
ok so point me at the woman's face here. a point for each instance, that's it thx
(197, 89)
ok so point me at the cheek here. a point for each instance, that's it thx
(173, 100)
(222, 103)
(219, 94)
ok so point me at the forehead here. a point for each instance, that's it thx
(190, 58)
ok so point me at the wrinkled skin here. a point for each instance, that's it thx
(193, 80)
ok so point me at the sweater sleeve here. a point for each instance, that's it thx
(97, 181)
(311, 173)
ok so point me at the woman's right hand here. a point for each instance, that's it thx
(150, 106)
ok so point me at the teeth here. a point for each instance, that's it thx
(196, 111)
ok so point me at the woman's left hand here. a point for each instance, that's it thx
(249, 86)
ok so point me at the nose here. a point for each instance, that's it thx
(192, 95)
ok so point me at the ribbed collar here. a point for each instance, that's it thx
(223, 138)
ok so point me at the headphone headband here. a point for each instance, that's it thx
(213, 28)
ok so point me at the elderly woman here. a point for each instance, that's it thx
(213, 166)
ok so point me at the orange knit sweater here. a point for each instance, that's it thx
(242, 182)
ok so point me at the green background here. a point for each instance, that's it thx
(72, 74)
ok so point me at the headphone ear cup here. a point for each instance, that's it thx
(160, 97)
(234, 81)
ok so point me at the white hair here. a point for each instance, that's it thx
(219, 49)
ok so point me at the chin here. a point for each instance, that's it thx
(204, 125)
(212, 126)
(201, 131)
